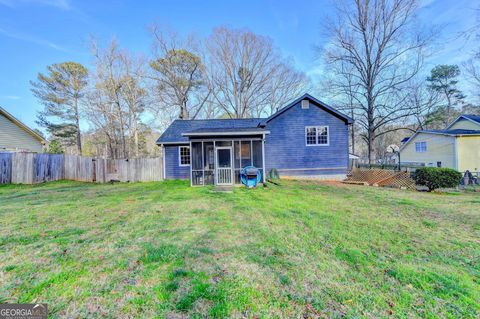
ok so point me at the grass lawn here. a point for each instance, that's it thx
(299, 250)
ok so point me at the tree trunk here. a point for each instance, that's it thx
(77, 127)
(183, 109)
(371, 147)
(136, 138)
(123, 144)
(371, 124)
(352, 131)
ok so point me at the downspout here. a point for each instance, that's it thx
(191, 162)
(455, 153)
(263, 158)
(215, 163)
(163, 158)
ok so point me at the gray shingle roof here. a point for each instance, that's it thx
(453, 132)
(173, 134)
(232, 130)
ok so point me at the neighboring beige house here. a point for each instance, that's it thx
(16, 136)
(457, 147)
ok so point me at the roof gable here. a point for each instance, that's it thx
(471, 118)
(452, 133)
(316, 102)
(176, 132)
(12, 119)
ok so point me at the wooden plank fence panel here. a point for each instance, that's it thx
(79, 168)
(23, 168)
(5, 168)
(111, 170)
(100, 170)
(48, 167)
(30, 168)
(85, 169)
(71, 164)
(123, 169)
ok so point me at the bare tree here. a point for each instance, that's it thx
(109, 81)
(340, 85)
(381, 49)
(248, 75)
(472, 70)
(134, 96)
(424, 102)
(117, 100)
(286, 84)
(178, 74)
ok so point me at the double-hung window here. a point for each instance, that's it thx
(420, 147)
(316, 135)
(184, 155)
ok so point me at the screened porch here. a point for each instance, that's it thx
(219, 161)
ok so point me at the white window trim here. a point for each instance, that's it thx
(316, 135)
(426, 147)
(180, 155)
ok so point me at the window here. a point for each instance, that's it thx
(305, 104)
(439, 164)
(245, 153)
(184, 155)
(316, 135)
(245, 150)
(420, 147)
(322, 134)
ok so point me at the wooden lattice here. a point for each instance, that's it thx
(399, 180)
(382, 177)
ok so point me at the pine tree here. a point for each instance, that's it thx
(61, 91)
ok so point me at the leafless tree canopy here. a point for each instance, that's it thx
(376, 49)
(178, 74)
(472, 70)
(247, 75)
(117, 100)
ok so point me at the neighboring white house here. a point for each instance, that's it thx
(16, 136)
(457, 146)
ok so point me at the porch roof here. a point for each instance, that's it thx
(238, 131)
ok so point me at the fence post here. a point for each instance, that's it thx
(94, 170)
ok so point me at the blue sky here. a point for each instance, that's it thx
(36, 33)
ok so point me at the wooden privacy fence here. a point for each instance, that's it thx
(31, 168)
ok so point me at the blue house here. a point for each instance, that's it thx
(306, 138)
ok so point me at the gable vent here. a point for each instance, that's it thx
(305, 104)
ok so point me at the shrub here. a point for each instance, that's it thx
(434, 177)
(274, 174)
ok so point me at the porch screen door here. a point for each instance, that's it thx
(224, 166)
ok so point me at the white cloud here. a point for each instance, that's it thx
(61, 4)
(31, 38)
(425, 3)
(10, 97)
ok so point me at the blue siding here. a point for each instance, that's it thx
(285, 145)
(172, 168)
